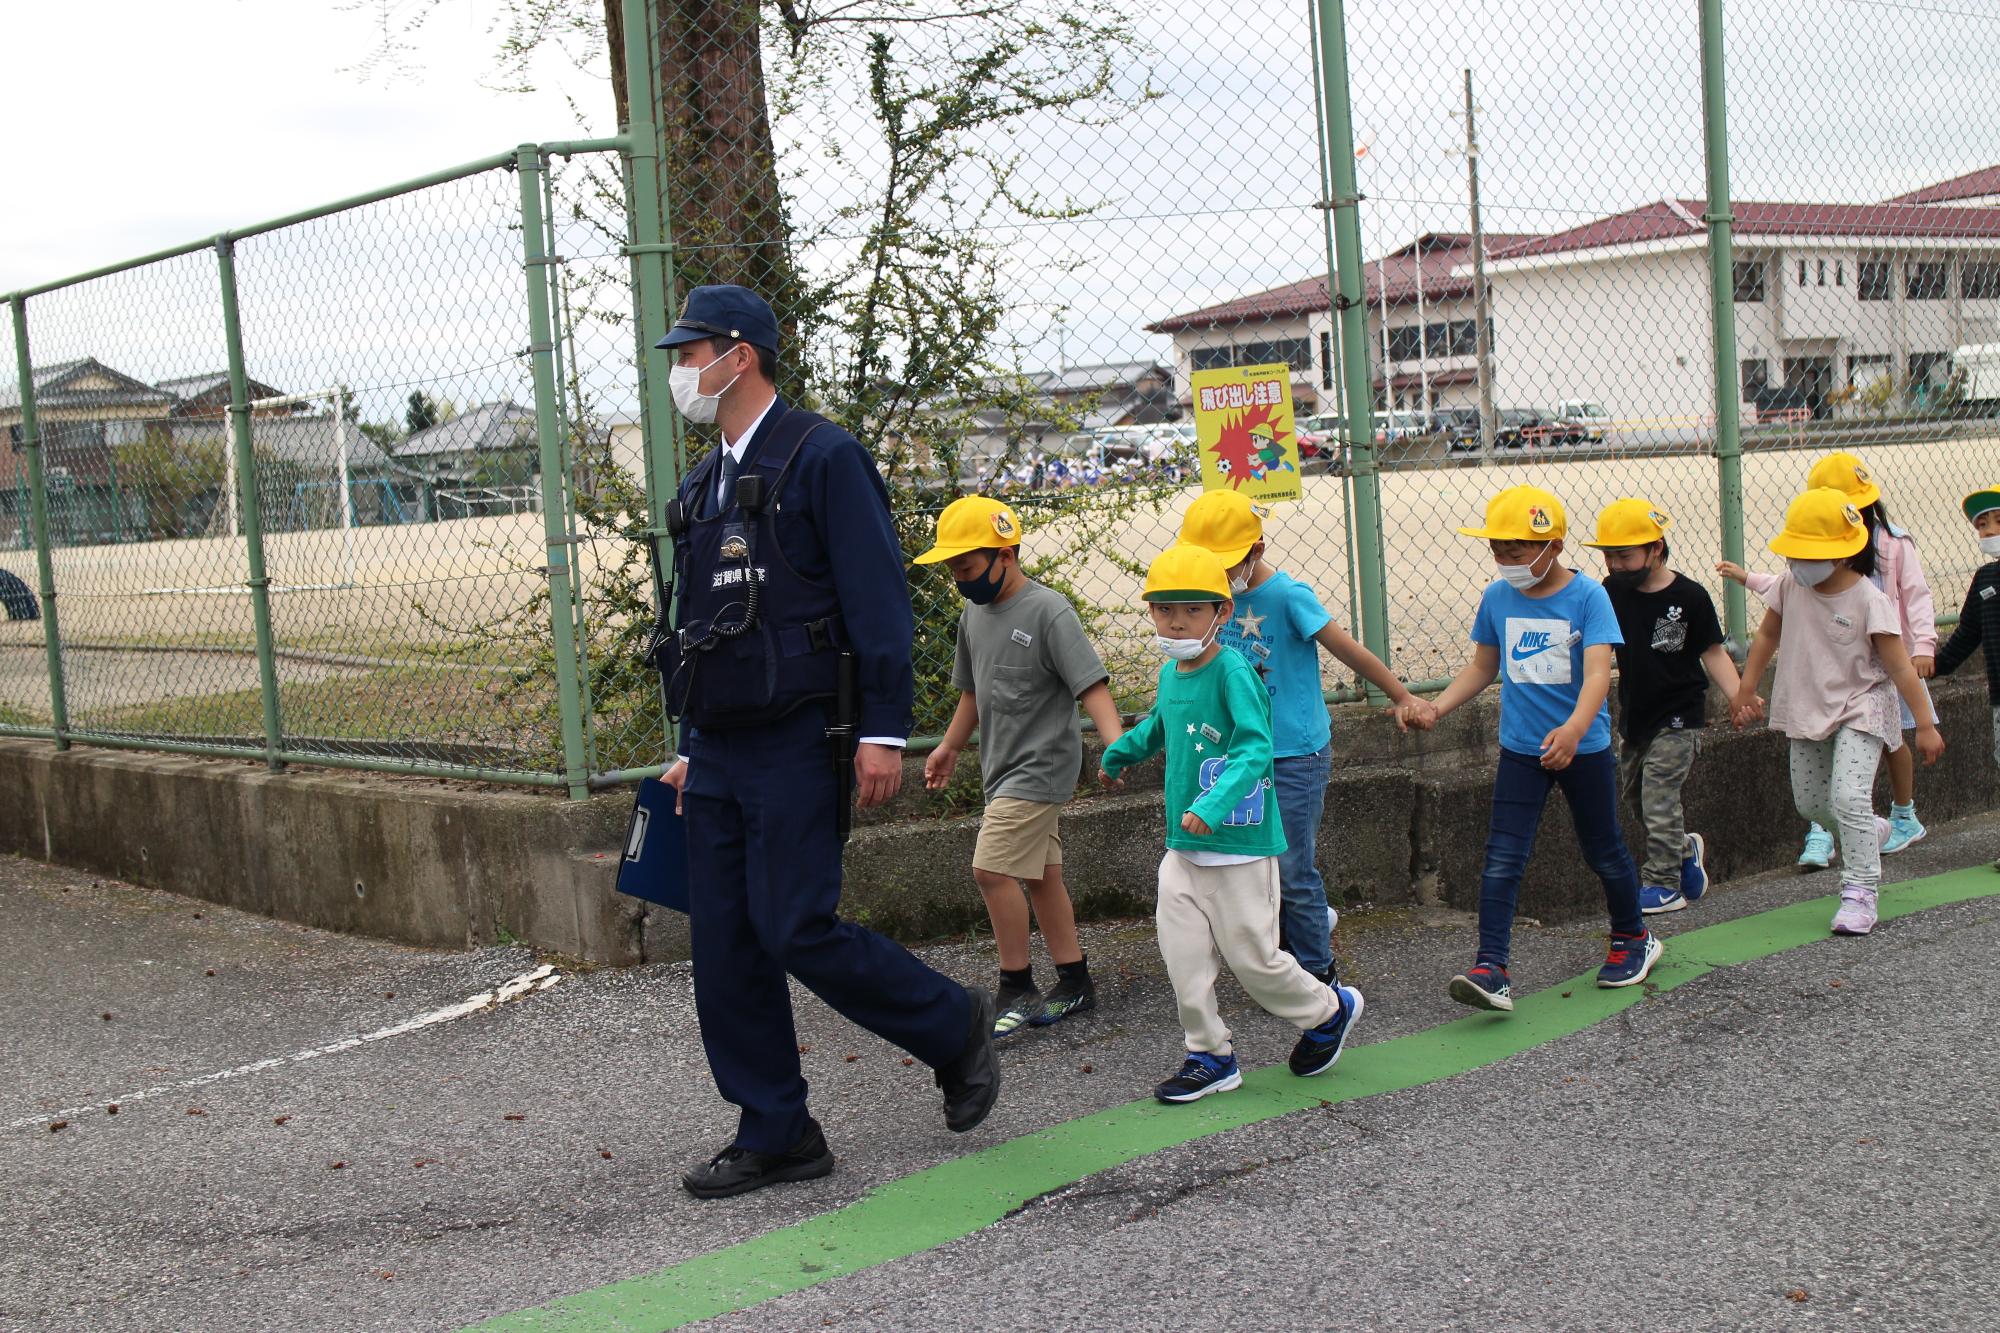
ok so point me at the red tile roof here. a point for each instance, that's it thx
(1668, 219)
(1971, 185)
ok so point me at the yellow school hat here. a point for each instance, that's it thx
(1982, 501)
(1630, 522)
(1224, 522)
(972, 523)
(1822, 524)
(1184, 573)
(1522, 514)
(1848, 475)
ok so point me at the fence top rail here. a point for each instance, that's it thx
(491, 162)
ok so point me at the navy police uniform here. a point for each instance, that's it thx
(820, 566)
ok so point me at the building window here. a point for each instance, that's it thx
(1209, 358)
(1929, 368)
(1872, 280)
(1326, 360)
(1293, 352)
(1756, 378)
(1822, 274)
(1979, 282)
(1802, 273)
(1929, 281)
(1748, 276)
(1840, 273)
(1405, 342)
(1867, 369)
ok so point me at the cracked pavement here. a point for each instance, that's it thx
(1804, 1139)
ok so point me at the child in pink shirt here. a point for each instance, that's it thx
(1841, 665)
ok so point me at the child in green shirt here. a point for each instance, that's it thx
(1219, 890)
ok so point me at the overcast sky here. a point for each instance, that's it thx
(160, 122)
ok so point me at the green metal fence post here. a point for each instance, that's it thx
(548, 431)
(1722, 310)
(38, 503)
(649, 242)
(250, 504)
(1337, 125)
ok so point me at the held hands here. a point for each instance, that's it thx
(1108, 782)
(1926, 667)
(1415, 712)
(1732, 571)
(676, 777)
(1930, 744)
(878, 774)
(938, 766)
(1747, 707)
(1559, 747)
(1195, 824)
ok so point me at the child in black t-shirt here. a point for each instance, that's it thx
(1673, 648)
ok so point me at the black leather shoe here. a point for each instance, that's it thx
(737, 1170)
(971, 1083)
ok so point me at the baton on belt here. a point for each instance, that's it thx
(846, 710)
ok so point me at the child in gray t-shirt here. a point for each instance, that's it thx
(1022, 666)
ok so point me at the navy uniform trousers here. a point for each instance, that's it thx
(763, 890)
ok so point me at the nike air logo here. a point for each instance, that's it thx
(1532, 645)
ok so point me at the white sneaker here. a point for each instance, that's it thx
(1857, 911)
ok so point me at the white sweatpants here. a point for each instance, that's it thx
(1833, 784)
(1214, 914)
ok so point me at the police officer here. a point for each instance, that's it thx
(787, 561)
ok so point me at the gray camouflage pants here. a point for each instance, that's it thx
(1650, 778)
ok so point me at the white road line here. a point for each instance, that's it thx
(513, 989)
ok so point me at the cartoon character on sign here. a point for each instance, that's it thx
(1270, 458)
(1248, 447)
(1249, 811)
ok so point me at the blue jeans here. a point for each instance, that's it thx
(1305, 925)
(1520, 790)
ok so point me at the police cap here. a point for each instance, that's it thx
(724, 311)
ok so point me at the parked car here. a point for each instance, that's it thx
(1320, 436)
(1459, 426)
(1579, 421)
(1391, 427)
(1518, 426)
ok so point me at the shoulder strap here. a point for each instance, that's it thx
(782, 442)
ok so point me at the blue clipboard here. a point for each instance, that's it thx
(655, 866)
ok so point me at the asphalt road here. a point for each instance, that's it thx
(1805, 1138)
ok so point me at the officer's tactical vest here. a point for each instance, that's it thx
(755, 638)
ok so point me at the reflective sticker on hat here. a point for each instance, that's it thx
(1861, 473)
(1005, 526)
(1538, 519)
(1850, 513)
(1659, 519)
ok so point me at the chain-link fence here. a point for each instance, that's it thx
(1515, 242)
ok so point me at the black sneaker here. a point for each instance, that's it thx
(737, 1170)
(971, 1083)
(1066, 998)
(1201, 1074)
(1017, 1010)
(1319, 1047)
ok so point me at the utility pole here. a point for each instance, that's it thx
(1481, 311)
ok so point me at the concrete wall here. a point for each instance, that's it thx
(451, 867)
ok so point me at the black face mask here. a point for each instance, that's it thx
(982, 590)
(1625, 580)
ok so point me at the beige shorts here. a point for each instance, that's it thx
(1018, 838)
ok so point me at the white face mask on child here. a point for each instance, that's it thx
(1524, 577)
(1812, 573)
(1186, 650)
(1990, 547)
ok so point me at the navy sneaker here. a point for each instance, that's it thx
(1654, 899)
(1631, 958)
(1320, 1047)
(1484, 986)
(1202, 1074)
(1694, 868)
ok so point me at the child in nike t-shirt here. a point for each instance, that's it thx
(1547, 633)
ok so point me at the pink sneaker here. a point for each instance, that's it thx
(1883, 828)
(1857, 911)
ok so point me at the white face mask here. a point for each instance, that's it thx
(696, 406)
(1186, 650)
(1812, 573)
(1239, 584)
(1990, 546)
(1524, 577)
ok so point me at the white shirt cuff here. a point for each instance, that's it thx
(896, 741)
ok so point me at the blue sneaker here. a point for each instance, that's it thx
(1656, 898)
(1631, 958)
(1694, 868)
(1319, 1047)
(1202, 1074)
(1904, 829)
(1818, 854)
(1484, 986)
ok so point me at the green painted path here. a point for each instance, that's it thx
(940, 1204)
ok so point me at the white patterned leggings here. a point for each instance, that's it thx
(1833, 784)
